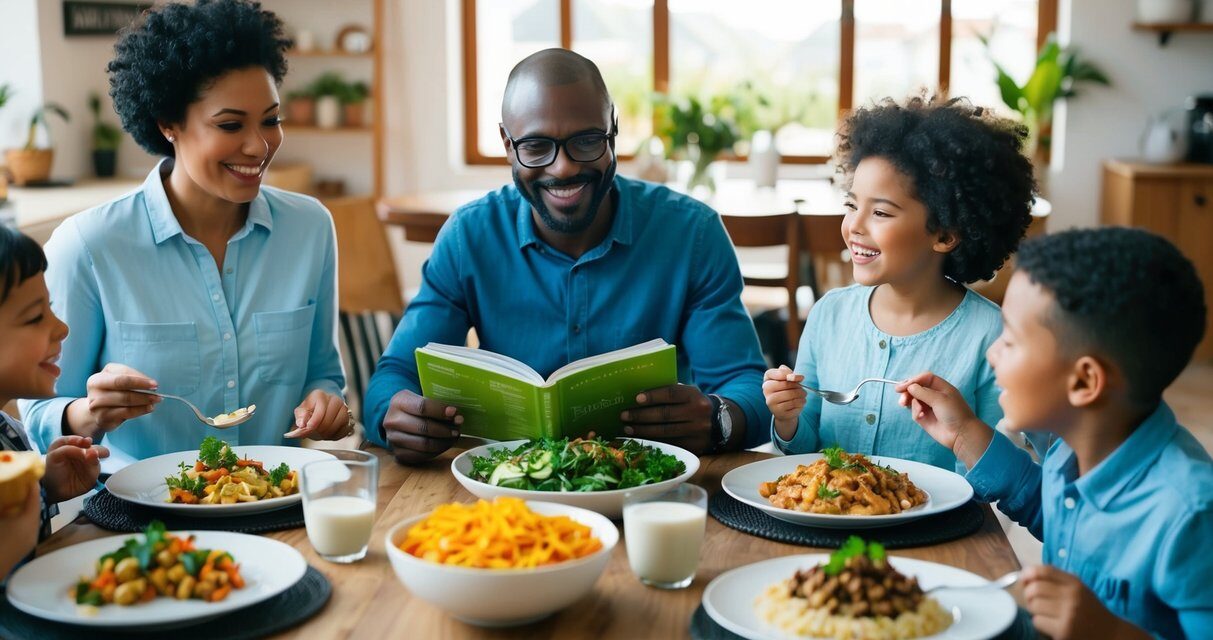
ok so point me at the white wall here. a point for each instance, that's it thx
(21, 70)
(1106, 122)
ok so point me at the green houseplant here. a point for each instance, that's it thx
(353, 102)
(30, 163)
(106, 138)
(328, 90)
(698, 130)
(1058, 74)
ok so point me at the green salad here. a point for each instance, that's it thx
(576, 465)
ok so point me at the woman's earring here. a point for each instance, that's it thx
(172, 138)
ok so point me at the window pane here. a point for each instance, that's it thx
(507, 31)
(1012, 27)
(896, 48)
(618, 36)
(788, 50)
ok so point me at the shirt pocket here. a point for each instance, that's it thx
(283, 344)
(165, 351)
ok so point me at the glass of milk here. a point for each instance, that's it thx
(339, 504)
(664, 533)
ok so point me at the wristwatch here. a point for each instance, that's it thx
(722, 423)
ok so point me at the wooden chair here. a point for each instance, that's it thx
(772, 231)
(821, 239)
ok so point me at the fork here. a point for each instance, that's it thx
(201, 417)
(835, 397)
(1001, 583)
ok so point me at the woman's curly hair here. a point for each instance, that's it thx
(164, 61)
(966, 167)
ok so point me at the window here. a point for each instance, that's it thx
(810, 59)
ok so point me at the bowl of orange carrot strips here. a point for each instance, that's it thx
(501, 563)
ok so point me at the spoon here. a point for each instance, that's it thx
(210, 422)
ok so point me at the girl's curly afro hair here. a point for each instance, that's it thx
(164, 61)
(966, 167)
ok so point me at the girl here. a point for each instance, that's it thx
(938, 195)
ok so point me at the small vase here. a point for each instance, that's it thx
(328, 112)
(764, 159)
(701, 174)
(105, 162)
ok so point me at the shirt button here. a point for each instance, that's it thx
(227, 336)
(1061, 553)
(871, 418)
(883, 344)
(215, 297)
(1069, 502)
(228, 271)
(231, 384)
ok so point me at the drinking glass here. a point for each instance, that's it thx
(664, 534)
(339, 503)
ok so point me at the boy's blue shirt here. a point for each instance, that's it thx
(1136, 529)
(841, 345)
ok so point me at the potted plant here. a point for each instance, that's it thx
(328, 90)
(353, 101)
(6, 92)
(700, 131)
(760, 111)
(301, 107)
(30, 163)
(106, 138)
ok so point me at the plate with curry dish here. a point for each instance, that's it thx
(839, 490)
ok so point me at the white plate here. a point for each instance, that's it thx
(41, 588)
(976, 613)
(945, 490)
(143, 481)
(608, 503)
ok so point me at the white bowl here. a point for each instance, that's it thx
(608, 503)
(505, 597)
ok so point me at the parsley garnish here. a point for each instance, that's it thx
(184, 482)
(854, 546)
(278, 474)
(836, 458)
(826, 492)
(215, 453)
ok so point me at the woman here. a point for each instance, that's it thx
(201, 283)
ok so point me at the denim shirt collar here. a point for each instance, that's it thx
(165, 224)
(621, 226)
(1128, 462)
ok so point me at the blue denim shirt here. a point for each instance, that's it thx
(665, 270)
(841, 346)
(134, 289)
(1136, 529)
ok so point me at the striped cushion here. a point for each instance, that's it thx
(364, 336)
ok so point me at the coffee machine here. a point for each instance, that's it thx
(1200, 128)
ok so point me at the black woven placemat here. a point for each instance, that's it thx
(275, 615)
(703, 627)
(949, 525)
(113, 513)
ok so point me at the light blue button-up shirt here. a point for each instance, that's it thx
(134, 289)
(841, 346)
(665, 270)
(1136, 529)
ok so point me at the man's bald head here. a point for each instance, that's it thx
(549, 68)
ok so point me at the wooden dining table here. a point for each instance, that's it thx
(369, 602)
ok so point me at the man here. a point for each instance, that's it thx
(573, 261)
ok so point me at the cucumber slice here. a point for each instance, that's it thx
(505, 471)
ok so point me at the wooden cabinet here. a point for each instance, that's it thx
(1175, 201)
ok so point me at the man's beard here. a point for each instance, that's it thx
(600, 182)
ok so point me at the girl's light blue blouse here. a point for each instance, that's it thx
(134, 289)
(841, 346)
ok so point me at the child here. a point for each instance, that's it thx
(30, 338)
(1097, 323)
(938, 195)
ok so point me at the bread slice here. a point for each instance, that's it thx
(19, 470)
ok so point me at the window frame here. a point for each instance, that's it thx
(1046, 23)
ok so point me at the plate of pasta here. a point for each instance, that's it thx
(217, 479)
(807, 596)
(156, 579)
(836, 489)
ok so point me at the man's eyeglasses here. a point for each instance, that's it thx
(536, 152)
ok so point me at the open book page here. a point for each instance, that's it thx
(651, 346)
(494, 404)
(488, 360)
(591, 396)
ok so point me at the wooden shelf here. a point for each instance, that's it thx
(1165, 29)
(314, 129)
(329, 53)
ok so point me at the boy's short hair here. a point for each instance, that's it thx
(1127, 294)
(966, 166)
(21, 258)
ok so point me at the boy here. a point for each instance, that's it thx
(30, 338)
(1097, 323)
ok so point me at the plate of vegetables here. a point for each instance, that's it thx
(591, 473)
(217, 480)
(156, 579)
